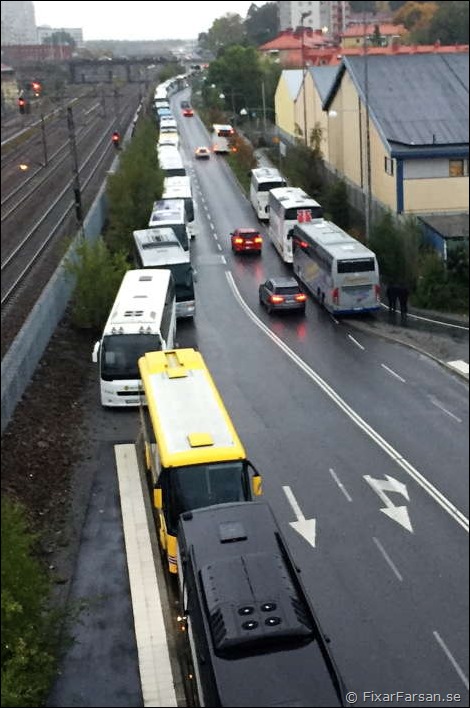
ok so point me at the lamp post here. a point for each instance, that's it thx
(368, 166)
(302, 18)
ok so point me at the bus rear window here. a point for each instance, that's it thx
(358, 265)
(303, 215)
(266, 186)
(225, 133)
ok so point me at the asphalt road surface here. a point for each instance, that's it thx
(361, 441)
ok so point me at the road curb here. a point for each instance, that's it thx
(391, 338)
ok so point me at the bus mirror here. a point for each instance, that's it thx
(257, 485)
(94, 356)
(157, 498)
(290, 234)
(195, 275)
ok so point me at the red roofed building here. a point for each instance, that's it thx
(288, 42)
(354, 35)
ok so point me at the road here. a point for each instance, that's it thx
(363, 436)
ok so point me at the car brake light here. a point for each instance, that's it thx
(234, 149)
(377, 292)
(276, 298)
(258, 239)
(336, 296)
(238, 240)
(301, 297)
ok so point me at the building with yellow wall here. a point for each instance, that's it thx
(308, 105)
(397, 128)
(284, 103)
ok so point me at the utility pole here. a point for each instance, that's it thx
(76, 174)
(368, 165)
(44, 143)
(263, 96)
(304, 72)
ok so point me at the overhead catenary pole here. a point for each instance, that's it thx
(44, 143)
(304, 72)
(76, 173)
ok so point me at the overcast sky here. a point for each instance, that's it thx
(136, 20)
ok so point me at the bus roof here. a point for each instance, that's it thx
(267, 174)
(189, 418)
(333, 239)
(291, 197)
(245, 575)
(139, 303)
(159, 247)
(167, 211)
(220, 126)
(177, 187)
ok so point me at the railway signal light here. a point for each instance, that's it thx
(21, 104)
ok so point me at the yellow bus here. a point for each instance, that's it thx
(192, 451)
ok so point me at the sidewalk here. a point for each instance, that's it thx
(446, 344)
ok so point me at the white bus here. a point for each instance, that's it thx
(289, 206)
(262, 180)
(180, 188)
(340, 272)
(170, 161)
(160, 248)
(171, 212)
(168, 138)
(142, 319)
(220, 137)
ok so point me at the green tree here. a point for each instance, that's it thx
(60, 37)
(336, 204)
(238, 73)
(262, 23)
(415, 16)
(98, 274)
(224, 32)
(376, 39)
(449, 24)
(29, 628)
(133, 188)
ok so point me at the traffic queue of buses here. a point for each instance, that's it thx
(252, 635)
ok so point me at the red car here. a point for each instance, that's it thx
(246, 240)
(188, 112)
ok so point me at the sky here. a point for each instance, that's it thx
(136, 20)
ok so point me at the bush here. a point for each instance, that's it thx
(336, 204)
(98, 276)
(133, 188)
(242, 160)
(397, 247)
(29, 629)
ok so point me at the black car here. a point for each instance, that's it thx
(185, 104)
(282, 294)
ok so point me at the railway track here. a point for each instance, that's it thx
(37, 209)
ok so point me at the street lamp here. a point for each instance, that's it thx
(302, 18)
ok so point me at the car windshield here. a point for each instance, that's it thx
(121, 352)
(248, 234)
(205, 485)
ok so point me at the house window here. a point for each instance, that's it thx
(458, 168)
(388, 165)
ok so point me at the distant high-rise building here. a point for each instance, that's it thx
(44, 31)
(18, 23)
(331, 16)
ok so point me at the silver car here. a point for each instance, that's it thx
(282, 294)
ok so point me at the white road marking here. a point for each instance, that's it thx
(460, 365)
(340, 485)
(454, 663)
(427, 319)
(436, 403)
(219, 246)
(393, 373)
(388, 559)
(390, 484)
(224, 260)
(356, 342)
(424, 483)
(305, 527)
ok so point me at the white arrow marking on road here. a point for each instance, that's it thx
(305, 527)
(396, 513)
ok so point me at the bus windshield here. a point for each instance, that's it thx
(307, 213)
(121, 352)
(266, 186)
(205, 485)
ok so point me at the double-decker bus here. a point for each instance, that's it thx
(143, 318)
(220, 137)
(252, 635)
(192, 451)
(339, 271)
(289, 206)
(264, 179)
